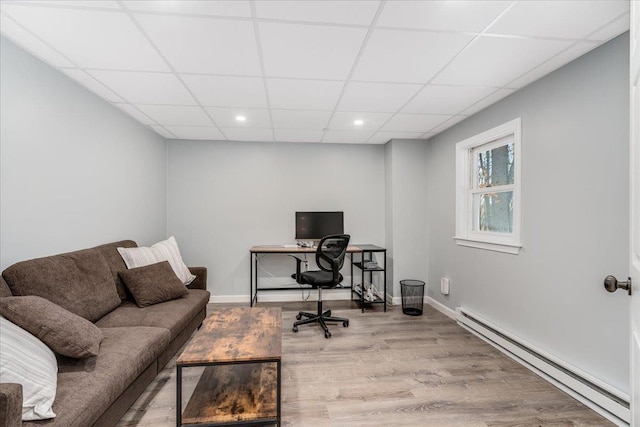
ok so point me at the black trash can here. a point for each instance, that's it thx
(412, 292)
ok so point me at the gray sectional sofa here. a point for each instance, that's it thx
(136, 342)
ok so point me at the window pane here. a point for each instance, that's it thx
(493, 212)
(495, 166)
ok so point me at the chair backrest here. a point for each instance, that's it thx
(331, 253)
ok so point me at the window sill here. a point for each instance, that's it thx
(508, 248)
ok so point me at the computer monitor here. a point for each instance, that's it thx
(316, 225)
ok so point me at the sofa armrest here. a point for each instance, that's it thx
(200, 282)
(10, 404)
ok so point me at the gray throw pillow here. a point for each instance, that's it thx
(64, 332)
(153, 283)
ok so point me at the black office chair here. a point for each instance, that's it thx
(330, 258)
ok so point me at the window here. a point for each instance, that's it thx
(488, 189)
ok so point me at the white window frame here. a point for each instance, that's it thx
(465, 235)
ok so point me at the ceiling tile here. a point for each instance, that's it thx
(407, 56)
(204, 45)
(381, 97)
(237, 134)
(169, 115)
(293, 119)
(227, 91)
(612, 29)
(196, 132)
(146, 88)
(448, 15)
(449, 123)
(135, 113)
(193, 7)
(559, 18)
(434, 99)
(347, 136)
(309, 51)
(100, 4)
(31, 43)
(414, 122)
(109, 40)
(162, 131)
(327, 11)
(383, 137)
(304, 94)
(298, 135)
(564, 57)
(226, 117)
(345, 121)
(489, 100)
(495, 61)
(92, 84)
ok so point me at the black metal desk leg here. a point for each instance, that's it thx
(251, 255)
(255, 273)
(384, 254)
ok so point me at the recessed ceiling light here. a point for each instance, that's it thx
(241, 118)
(358, 122)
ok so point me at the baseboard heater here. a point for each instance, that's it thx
(602, 398)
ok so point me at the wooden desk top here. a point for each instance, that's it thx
(237, 334)
(280, 249)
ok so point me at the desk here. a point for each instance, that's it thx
(362, 250)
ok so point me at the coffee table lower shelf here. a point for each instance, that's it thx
(235, 394)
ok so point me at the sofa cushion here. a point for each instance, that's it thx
(80, 282)
(153, 284)
(87, 387)
(25, 360)
(116, 264)
(4, 288)
(173, 315)
(166, 250)
(64, 332)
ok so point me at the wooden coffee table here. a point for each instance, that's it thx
(241, 348)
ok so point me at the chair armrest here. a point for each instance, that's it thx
(200, 282)
(10, 404)
(296, 275)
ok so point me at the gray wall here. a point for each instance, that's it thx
(225, 197)
(406, 207)
(75, 171)
(575, 217)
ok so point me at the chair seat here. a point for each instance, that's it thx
(319, 279)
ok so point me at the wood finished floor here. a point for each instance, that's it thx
(390, 369)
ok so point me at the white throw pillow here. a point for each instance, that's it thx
(26, 360)
(167, 250)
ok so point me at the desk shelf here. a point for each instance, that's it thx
(359, 260)
(360, 252)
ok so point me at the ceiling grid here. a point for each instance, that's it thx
(323, 71)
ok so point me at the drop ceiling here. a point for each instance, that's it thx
(308, 71)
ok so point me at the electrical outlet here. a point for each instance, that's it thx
(444, 286)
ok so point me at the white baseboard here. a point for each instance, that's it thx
(228, 299)
(604, 399)
(433, 303)
(441, 307)
(284, 296)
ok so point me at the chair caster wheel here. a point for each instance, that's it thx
(295, 329)
(345, 324)
(327, 334)
(298, 316)
(327, 313)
